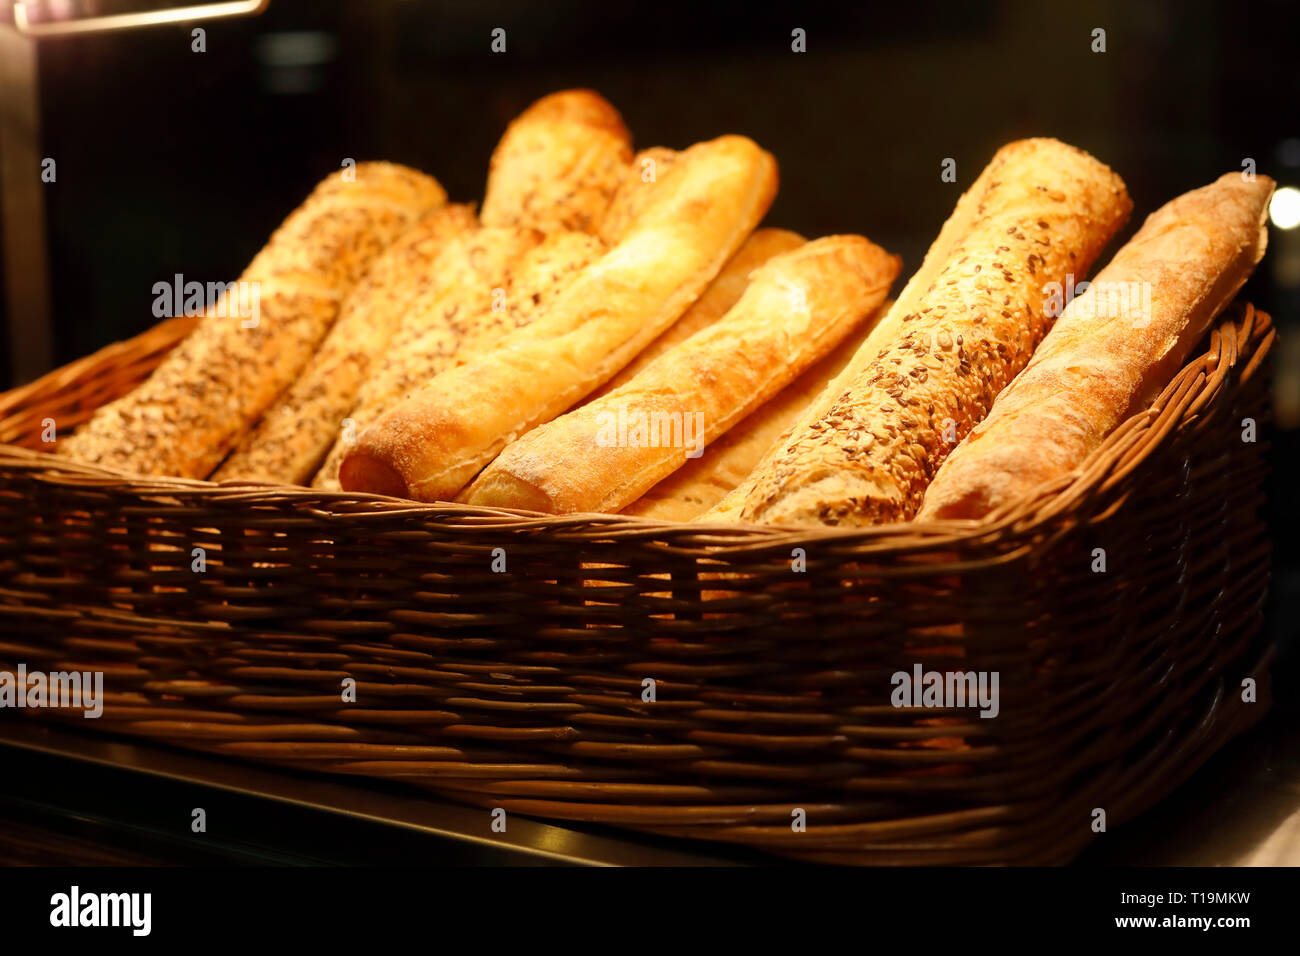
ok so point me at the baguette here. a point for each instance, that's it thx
(433, 444)
(558, 164)
(961, 329)
(1112, 350)
(210, 389)
(722, 293)
(601, 457)
(296, 432)
(635, 189)
(702, 482)
(491, 282)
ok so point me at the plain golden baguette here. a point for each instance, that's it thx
(434, 443)
(210, 389)
(723, 292)
(634, 191)
(296, 432)
(490, 283)
(1112, 350)
(606, 454)
(558, 164)
(702, 482)
(960, 331)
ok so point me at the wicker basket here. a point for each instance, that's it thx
(523, 688)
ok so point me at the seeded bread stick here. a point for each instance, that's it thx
(558, 165)
(209, 390)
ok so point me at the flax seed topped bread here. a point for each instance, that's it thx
(210, 389)
(558, 164)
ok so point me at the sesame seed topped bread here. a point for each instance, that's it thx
(1113, 349)
(606, 454)
(558, 164)
(960, 331)
(296, 432)
(209, 390)
(431, 445)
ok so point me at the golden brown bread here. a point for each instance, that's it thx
(434, 443)
(714, 302)
(210, 389)
(1112, 350)
(295, 433)
(961, 329)
(702, 482)
(606, 454)
(558, 164)
(490, 282)
(637, 185)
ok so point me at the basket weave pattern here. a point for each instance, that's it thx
(523, 688)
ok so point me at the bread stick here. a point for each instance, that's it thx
(639, 182)
(959, 332)
(702, 482)
(1113, 349)
(605, 455)
(209, 390)
(491, 282)
(722, 293)
(558, 164)
(432, 445)
(295, 433)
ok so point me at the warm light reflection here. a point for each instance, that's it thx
(1284, 210)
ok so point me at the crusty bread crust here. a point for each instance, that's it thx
(714, 302)
(1113, 348)
(558, 164)
(432, 445)
(296, 432)
(702, 482)
(209, 390)
(490, 283)
(1039, 211)
(638, 183)
(799, 306)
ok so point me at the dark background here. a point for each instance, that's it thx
(175, 161)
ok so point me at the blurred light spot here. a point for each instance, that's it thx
(1284, 209)
(294, 62)
(296, 49)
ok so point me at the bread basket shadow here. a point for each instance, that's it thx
(716, 683)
